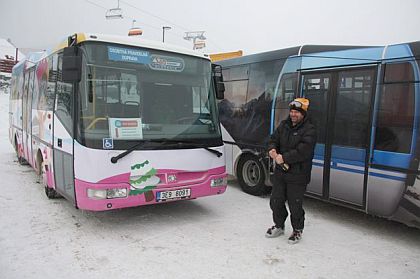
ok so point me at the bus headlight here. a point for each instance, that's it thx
(116, 193)
(221, 181)
(101, 194)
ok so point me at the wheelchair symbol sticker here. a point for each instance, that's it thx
(108, 143)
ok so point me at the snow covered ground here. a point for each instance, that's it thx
(213, 237)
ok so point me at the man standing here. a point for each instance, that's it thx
(292, 147)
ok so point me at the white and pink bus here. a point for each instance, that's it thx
(111, 122)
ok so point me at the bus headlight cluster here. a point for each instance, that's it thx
(221, 181)
(101, 194)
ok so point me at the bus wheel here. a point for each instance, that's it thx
(51, 193)
(251, 175)
(39, 170)
(20, 159)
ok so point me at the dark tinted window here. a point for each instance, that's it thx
(398, 72)
(235, 73)
(235, 92)
(286, 93)
(317, 88)
(236, 85)
(394, 127)
(263, 78)
(352, 108)
(396, 108)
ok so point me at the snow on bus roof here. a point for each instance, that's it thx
(133, 41)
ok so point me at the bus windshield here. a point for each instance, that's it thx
(130, 94)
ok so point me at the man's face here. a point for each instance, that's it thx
(296, 116)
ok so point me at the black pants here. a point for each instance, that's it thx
(284, 190)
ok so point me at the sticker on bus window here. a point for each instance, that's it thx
(166, 63)
(128, 55)
(125, 128)
(107, 143)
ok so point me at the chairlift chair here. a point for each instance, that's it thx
(114, 13)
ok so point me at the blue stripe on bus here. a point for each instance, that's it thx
(371, 53)
(398, 51)
(391, 159)
(375, 174)
(356, 156)
(348, 153)
(317, 164)
(387, 176)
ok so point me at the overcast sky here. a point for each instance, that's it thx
(229, 25)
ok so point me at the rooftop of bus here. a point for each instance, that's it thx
(376, 53)
(115, 39)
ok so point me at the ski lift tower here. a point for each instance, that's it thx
(114, 13)
(199, 41)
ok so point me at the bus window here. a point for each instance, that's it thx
(394, 127)
(398, 72)
(352, 108)
(236, 85)
(262, 80)
(46, 81)
(112, 92)
(235, 73)
(235, 92)
(316, 88)
(64, 109)
(29, 78)
(52, 79)
(200, 100)
(33, 89)
(129, 89)
(286, 93)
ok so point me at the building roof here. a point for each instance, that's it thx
(9, 50)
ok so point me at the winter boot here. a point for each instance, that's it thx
(295, 237)
(274, 232)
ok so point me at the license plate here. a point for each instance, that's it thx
(174, 194)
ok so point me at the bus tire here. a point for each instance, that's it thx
(251, 175)
(40, 172)
(39, 168)
(20, 159)
(51, 193)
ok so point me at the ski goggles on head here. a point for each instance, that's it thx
(295, 104)
(299, 104)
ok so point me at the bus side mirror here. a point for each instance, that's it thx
(72, 65)
(218, 81)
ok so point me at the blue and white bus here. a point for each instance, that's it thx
(365, 103)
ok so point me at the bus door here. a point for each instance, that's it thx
(27, 115)
(340, 108)
(63, 137)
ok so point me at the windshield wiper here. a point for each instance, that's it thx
(128, 151)
(163, 141)
(181, 142)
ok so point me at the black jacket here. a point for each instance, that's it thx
(297, 145)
